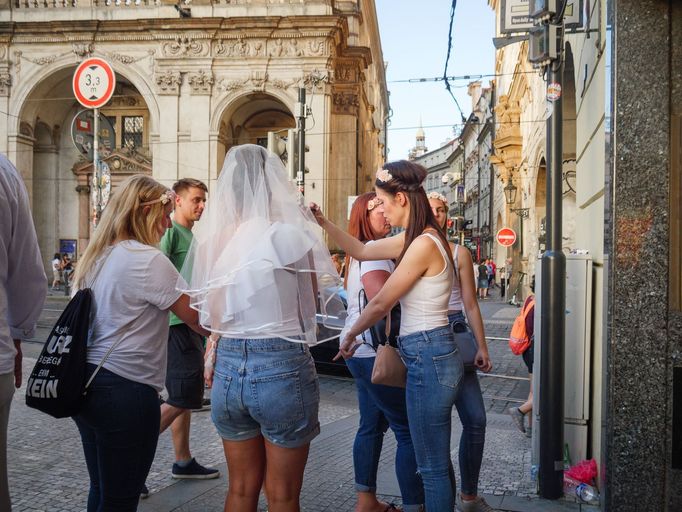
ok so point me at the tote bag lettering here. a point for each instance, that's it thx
(56, 385)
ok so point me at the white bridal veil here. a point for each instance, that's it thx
(258, 266)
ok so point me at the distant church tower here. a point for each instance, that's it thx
(420, 146)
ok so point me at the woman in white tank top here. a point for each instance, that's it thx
(469, 403)
(422, 282)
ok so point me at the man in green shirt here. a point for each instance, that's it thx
(185, 374)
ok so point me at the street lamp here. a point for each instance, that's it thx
(510, 196)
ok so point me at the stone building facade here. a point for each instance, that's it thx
(622, 180)
(193, 80)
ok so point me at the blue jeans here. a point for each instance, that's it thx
(119, 427)
(382, 407)
(265, 387)
(471, 410)
(434, 370)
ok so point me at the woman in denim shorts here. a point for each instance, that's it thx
(254, 269)
(469, 403)
(422, 282)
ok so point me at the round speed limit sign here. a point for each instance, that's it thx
(93, 82)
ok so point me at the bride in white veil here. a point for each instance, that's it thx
(258, 257)
(258, 271)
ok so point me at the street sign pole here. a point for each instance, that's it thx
(95, 165)
(93, 85)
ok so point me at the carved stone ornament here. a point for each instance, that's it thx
(169, 82)
(184, 46)
(231, 85)
(240, 48)
(345, 73)
(201, 82)
(127, 59)
(345, 103)
(3, 52)
(83, 49)
(5, 83)
(317, 47)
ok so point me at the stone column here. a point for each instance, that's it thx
(195, 155)
(644, 334)
(165, 152)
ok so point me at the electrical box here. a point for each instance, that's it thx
(577, 357)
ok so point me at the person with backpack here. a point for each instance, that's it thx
(521, 341)
(133, 287)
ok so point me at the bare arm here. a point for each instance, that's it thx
(465, 270)
(385, 249)
(189, 316)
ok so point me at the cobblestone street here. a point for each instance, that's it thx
(47, 469)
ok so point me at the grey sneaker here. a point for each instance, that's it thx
(476, 505)
(529, 431)
(517, 416)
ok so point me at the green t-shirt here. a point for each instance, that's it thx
(175, 244)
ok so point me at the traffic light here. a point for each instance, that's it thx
(450, 228)
(462, 223)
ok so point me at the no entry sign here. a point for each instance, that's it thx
(93, 82)
(506, 237)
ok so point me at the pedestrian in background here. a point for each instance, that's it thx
(482, 280)
(422, 282)
(185, 367)
(23, 286)
(519, 414)
(254, 270)
(133, 286)
(56, 270)
(380, 406)
(469, 402)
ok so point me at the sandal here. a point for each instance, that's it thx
(391, 506)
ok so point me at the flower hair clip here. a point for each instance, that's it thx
(437, 195)
(164, 199)
(373, 203)
(384, 175)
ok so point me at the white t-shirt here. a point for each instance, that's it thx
(56, 263)
(354, 287)
(132, 294)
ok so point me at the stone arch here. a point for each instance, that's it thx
(247, 118)
(43, 109)
(32, 82)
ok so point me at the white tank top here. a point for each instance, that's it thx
(455, 302)
(425, 306)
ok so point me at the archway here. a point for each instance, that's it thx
(249, 118)
(60, 175)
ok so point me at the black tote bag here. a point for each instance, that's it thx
(57, 383)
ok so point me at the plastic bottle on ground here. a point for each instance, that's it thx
(584, 492)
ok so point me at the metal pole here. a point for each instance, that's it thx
(300, 175)
(97, 173)
(553, 306)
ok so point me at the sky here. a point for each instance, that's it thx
(414, 39)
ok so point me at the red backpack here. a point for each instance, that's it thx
(519, 341)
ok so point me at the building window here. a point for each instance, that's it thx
(133, 130)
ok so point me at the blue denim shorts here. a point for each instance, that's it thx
(265, 387)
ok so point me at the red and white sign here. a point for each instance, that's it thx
(93, 82)
(506, 237)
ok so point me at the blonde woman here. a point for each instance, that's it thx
(134, 287)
